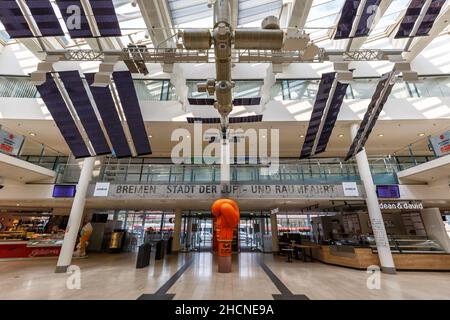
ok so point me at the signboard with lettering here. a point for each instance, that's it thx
(210, 191)
(101, 189)
(10, 143)
(401, 205)
(350, 189)
(441, 144)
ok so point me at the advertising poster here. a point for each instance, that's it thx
(441, 144)
(10, 143)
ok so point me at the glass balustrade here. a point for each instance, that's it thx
(300, 173)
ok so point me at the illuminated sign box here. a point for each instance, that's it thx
(64, 191)
(391, 191)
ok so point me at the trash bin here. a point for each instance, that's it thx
(169, 245)
(160, 248)
(143, 257)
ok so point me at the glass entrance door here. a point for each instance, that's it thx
(251, 230)
(197, 232)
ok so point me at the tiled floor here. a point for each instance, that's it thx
(107, 276)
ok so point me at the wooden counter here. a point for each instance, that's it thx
(362, 258)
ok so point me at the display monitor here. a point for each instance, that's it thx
(389, 191)
(64, 191)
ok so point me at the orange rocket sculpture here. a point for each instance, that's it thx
(226, 213)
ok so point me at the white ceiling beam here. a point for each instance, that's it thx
(157, 18)
(234, 13)
(299, 13)
(420, 43)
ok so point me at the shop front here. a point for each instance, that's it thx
(417, 240)
(28, 235)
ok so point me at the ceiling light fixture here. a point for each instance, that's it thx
(340, 136)
(421, 134)
(32, 134)
(381, 135)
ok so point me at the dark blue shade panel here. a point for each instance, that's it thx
(45, 18)
(80, 99)
(62, 117)
(248, 119)
(345, 24)
(232, 120)
(317, 113)
(377, 114)
(64, 191)
(247, 101)
(201, 102)
(111, 121)
(132, 110)
(332, 115)
(431, 15)
(367, 18)
(204, 120)
(106, 18)
(77, 25)
(13, 20)
(363, 134)
(410, 18)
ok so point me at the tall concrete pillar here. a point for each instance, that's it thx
(376, 218)
(76, 215)
(435, 227)
(225, 161)
(274, 228)
(177, 230)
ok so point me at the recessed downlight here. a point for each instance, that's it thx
(340, 135)
(421, 134)
(381, 135)
(33, 134)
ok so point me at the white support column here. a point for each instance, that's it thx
(376, 218)
(225, 161)
(177, 230)
(76, 215)
(274, 228)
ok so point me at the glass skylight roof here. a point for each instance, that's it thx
(184, 12)
(391, 17)
(322, 17)
(252, 12)
(320, 23)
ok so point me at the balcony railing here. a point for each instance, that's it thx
(300, 173)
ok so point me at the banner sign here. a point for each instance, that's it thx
(10, 143)
(189, 191)
(401, 205)
(441, 144)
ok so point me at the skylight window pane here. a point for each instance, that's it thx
(254, 11)
(321, 9)
(186, 11)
